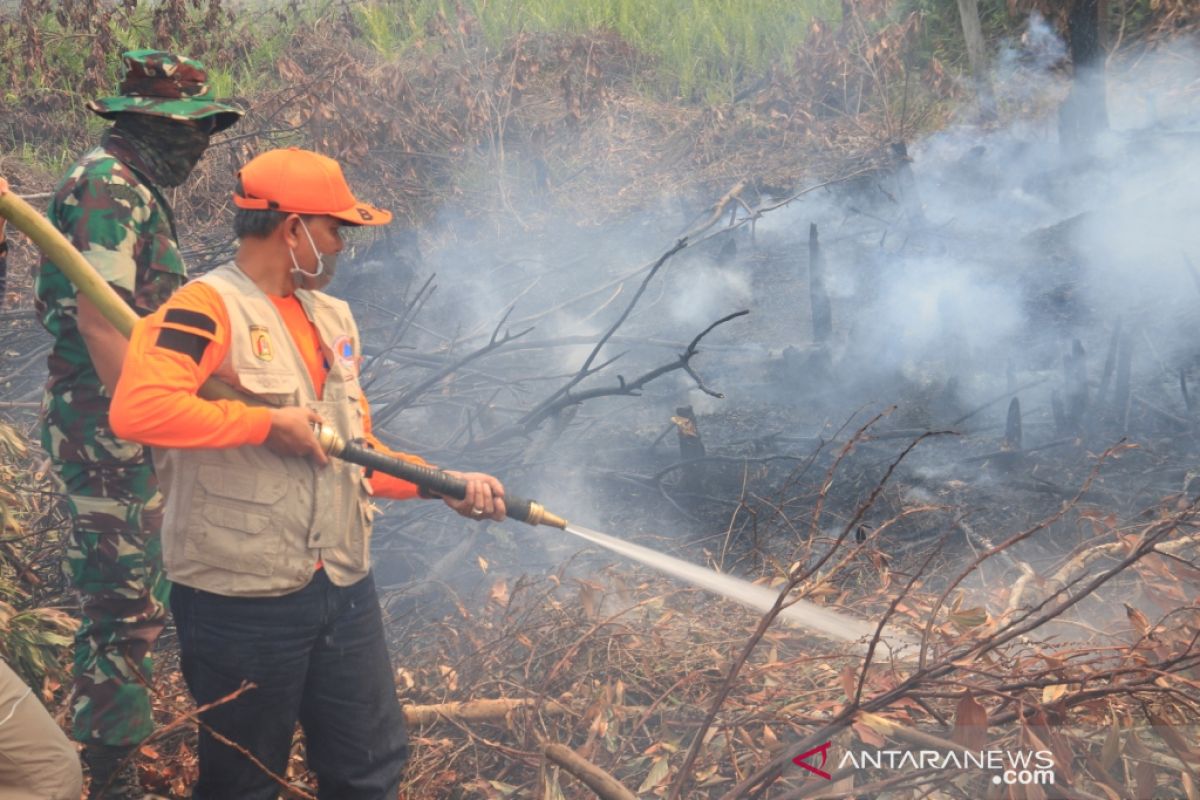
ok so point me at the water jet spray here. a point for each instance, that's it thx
(831, 624)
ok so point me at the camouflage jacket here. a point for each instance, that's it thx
(123, 226)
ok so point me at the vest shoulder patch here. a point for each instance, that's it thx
(343, 351)
(260, 343)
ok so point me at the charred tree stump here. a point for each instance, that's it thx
(1075, 380)
(691, 449)
(909, 195)
(1122, 390)
(1110, 363)
(1012, 426)
(822, 313)
(1084, 114)
(1060, 416)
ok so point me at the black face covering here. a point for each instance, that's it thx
(169, 150)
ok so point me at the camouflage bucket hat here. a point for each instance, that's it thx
(166, 85)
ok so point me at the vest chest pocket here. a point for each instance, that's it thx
(267, 381)
(275, 386)
(230, 524)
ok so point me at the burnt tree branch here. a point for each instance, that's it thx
(495, 343)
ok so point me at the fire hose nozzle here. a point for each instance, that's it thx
(430, 479)
(328, 438)
(538, 515)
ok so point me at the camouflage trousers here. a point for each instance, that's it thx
(115, 561)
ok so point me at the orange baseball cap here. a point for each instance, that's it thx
(299, 181)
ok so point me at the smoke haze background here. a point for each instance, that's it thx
(1016, 250)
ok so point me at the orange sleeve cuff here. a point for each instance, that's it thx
(389, 486)
(258, 421)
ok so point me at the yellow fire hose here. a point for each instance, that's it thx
(50, 241)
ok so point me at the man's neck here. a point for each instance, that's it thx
(270, 270)
(127, 151)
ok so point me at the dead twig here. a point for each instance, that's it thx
(604, 785)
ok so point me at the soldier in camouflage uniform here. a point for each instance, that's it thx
(110, 207)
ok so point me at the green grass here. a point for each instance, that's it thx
(692, 50)
(697, 49)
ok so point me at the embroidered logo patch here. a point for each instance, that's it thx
(260, 342)
(343, 351)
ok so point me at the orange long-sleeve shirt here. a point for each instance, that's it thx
(155, 402)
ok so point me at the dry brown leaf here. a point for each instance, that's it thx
(849, 678)
(1141, 625)
(499, 593)
(1053, 692)
(868, 734)
(1189, 787)
(1112, 746)
(970, 724)
(589, 599)
(1167, 732)
(769, 738)
(658, 773)
(1145, 779)
(968, 618)
(1112, 795)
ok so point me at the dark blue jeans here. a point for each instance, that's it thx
(317, 656)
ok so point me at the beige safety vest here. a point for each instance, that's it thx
(244, 521)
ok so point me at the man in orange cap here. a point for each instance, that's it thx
(266, 542)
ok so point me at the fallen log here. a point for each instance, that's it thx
(478, 710)
(604, 785)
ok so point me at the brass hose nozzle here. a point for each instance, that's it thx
(431, 479)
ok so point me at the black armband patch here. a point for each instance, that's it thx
(192, 319)
(190, 344)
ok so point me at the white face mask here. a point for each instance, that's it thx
(300, 276)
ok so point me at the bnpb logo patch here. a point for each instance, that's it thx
(260, 343)
(343, 351)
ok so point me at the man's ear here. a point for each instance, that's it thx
(291, 230)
